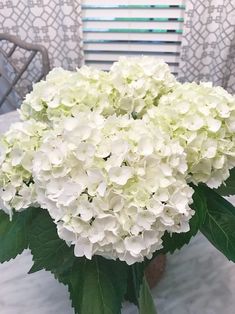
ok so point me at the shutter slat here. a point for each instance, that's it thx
(132, 19)
(114, 56)
(143, 47)
(147, 13)
(132, 6)
(125, 2)
(133, 25)
(106, 65)
(131, 30)
(132, 36)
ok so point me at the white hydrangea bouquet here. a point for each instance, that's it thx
(107, 170)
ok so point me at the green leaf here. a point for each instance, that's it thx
(48, 250)
(138, 291)
(178, 240)
(14, 234)
(146, 304)
(219, 225)
(134, 282)
(98, 286)
(228, 187)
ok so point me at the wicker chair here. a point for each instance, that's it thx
(18, 60)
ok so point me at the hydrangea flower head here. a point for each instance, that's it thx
(139, 83)
(132, 86)
(110, 155)
(113, 185)
(202, 118)
(17, 148)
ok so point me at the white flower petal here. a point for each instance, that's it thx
(120, 175)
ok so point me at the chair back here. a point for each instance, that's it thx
(21, 65)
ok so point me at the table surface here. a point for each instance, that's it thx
(198, 279)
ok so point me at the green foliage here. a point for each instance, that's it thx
(146, 304)
(219, 224)
(228, 187)
(98, 286)
(95, 286)
(48, 250)
(138, 291)
(14, 234)
(135, 280)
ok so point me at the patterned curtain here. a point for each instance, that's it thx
(208, 44)
(56, 24)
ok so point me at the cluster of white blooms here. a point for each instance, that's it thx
(17, 149)
(64, 93)
(202, 118)
(110, 155)
(113, 185)
(132, 86)
(139, 84)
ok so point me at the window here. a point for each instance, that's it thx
(136, 27)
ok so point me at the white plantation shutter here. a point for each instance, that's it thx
(114, 28)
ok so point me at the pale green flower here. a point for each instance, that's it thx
(202, 118)
(18, 148)
(109, 190)
(66, 93)
(139, 83)
(132, 86)
(110, 154)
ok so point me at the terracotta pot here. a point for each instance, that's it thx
(155, 270)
